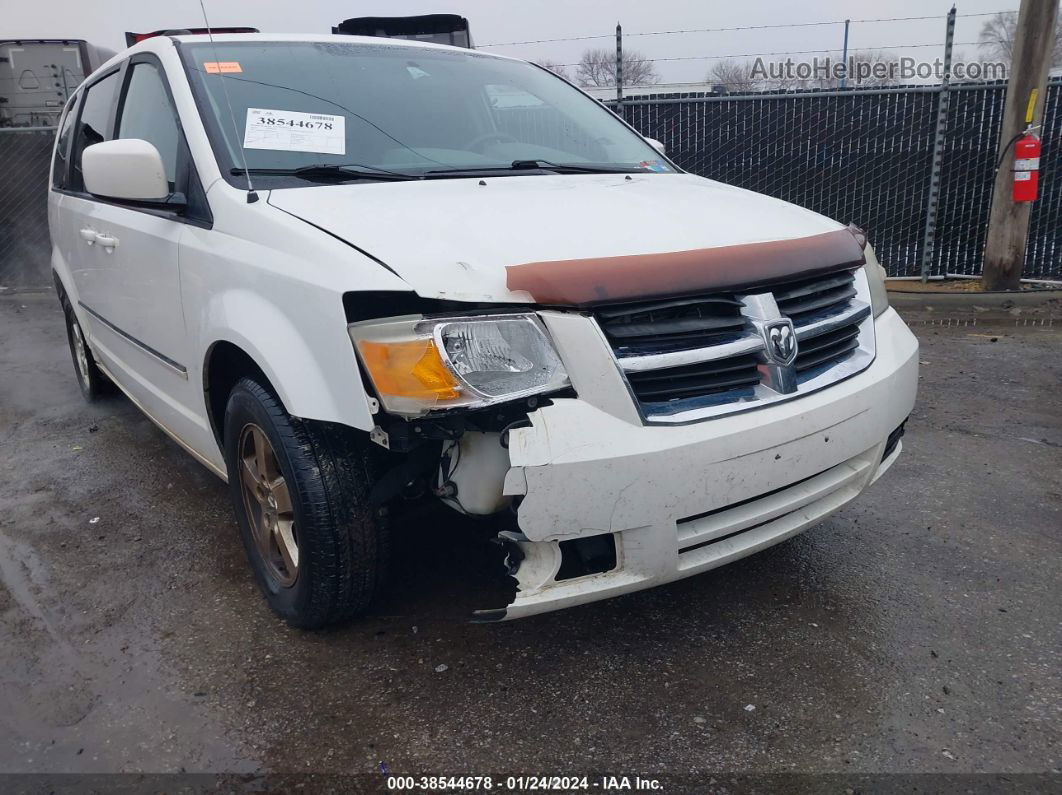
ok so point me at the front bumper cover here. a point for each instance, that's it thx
(682, 500)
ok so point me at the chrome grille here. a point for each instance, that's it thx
(705, 378)
(679, 324)
(828, 348)
(810, 297)
(687, 359)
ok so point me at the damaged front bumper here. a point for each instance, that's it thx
(681, 500)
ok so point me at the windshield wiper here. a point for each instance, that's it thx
(333, 172)
(327, 172)
(534, 165)
(571, 168)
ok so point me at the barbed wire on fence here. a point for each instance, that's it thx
(820, 51)
(735, 28)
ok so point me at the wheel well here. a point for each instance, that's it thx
(226, 365)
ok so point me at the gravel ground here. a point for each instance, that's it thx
(916, 631)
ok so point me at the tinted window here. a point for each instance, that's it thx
(60, 172)
(92, 127)
(147, 114)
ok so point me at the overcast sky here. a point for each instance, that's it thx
(103, 22)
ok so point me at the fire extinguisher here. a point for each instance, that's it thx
(1026, 167)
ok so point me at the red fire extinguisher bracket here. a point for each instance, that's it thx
(1026, 168)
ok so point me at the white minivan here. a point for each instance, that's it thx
(346, 273)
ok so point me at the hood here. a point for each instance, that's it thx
(520, 239)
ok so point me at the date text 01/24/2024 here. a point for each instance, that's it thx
(523, 783)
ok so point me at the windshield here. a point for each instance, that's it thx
(410, 111)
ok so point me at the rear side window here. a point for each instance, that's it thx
(94, 125)
(147, 114)
(60, 169)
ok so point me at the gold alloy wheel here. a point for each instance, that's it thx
(268, 504)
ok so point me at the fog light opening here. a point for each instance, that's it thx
(583, 556)
(893, 440)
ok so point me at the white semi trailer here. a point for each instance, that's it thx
(37, 76)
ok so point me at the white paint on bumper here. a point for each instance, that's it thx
(682, 500)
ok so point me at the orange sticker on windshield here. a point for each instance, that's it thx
(222, 67)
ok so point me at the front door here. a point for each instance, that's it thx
(129, 277)
(77, 236)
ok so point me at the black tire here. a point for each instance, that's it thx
(341, 541)
(93, 383)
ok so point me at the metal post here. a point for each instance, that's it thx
(929, 236)
(619, 67)
(844, 56)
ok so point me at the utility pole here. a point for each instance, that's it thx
(619, 68)
(1008, 224)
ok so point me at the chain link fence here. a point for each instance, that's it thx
(24, 247)
(863, 159)
(866, 157)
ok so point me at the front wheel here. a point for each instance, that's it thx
(300, 492)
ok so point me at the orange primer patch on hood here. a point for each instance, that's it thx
(582, 282)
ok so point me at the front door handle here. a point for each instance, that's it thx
(88, 235)
(107, 242)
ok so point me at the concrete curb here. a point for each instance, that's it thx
(1050, 300)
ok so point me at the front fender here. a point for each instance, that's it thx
(312, 365)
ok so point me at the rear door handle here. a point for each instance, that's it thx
(107, 241)
(88, 235)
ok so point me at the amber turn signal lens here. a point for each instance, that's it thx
(410, 369)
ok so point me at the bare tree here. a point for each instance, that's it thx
(554, 67)
(961, 75)
(871, 69)
(781, 76)
(598, 68)
(996, 41)
(735, 76)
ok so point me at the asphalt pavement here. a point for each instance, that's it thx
(918, 630)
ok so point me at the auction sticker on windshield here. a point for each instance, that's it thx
(290, 131)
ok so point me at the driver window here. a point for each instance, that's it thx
(92, 127)
(147, 114)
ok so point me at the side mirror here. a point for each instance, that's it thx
(657, 145)
(126, 168)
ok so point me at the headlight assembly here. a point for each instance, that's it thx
(418, 365)
(879, 298)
